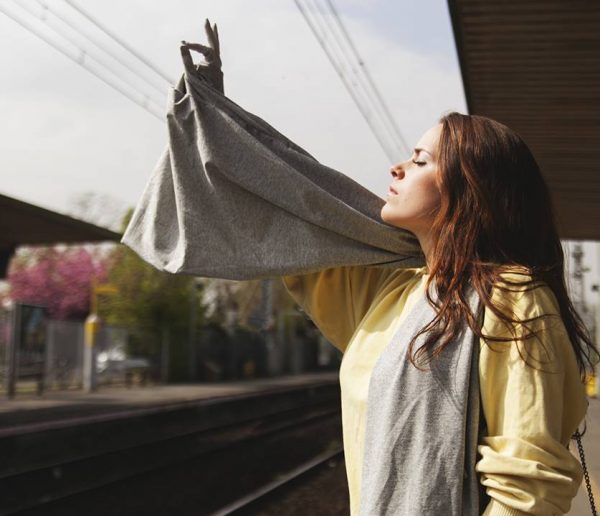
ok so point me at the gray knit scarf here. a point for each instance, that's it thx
(231, 197)
(422, 427)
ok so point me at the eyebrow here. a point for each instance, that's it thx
(417, 150)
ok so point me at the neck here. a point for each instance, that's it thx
(427, 242)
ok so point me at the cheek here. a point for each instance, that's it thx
(421, 191)
(426, 194)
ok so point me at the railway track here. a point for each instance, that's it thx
(210, 457)
(252, 502)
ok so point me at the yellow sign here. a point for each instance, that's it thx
(91, 328)
(106, 288)
(591, 385)
(100, 288)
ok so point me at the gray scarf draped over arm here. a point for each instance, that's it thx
(231, 197)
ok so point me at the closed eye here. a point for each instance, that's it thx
(419, 163)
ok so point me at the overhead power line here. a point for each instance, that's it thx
(84, 56)
(47, 9)
(391, 120)
(348, 86)
(87, 53)
(116, 38)
(79, 57)
(321, 33)
(377, 114)
(356, 78)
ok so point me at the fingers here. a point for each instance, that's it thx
(218, 48)
(188, 62)
(212, 38)
(203, 49)
(211, 53)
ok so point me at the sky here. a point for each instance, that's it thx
(66, 136)
(89, 137)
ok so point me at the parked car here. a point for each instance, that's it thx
(115, 364)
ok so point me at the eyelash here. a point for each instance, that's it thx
(419, 163)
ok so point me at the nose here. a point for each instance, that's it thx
(397, 171)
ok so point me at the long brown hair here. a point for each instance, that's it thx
(496, 215)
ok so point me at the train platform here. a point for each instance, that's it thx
(57, 409)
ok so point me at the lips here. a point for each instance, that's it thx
(391, 191)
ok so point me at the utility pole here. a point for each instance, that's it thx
(195, 285)
(92, 326)
(578, 270)
(579, 300)
(268, 323)
(580, 305)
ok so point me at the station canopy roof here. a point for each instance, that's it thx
(534, 65)
(22, 223)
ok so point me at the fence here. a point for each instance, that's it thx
(63, 364)
(215, 354)
(64, 355)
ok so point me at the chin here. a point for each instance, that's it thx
(391, 220)
(384, 213)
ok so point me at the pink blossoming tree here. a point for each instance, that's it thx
(59, 279)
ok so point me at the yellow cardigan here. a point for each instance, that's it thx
(525, 462)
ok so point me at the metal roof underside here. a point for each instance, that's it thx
(534, 65)
(22, 223)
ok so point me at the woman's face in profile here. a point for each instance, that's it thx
(413, 197)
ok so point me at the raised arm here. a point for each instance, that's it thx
(231, 197)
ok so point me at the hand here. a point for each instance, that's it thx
(211, 71)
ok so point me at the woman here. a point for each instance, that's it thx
(474, 197)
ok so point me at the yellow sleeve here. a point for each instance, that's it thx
(337, 299)
(525, 463)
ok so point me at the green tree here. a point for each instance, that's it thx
(150, 302)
